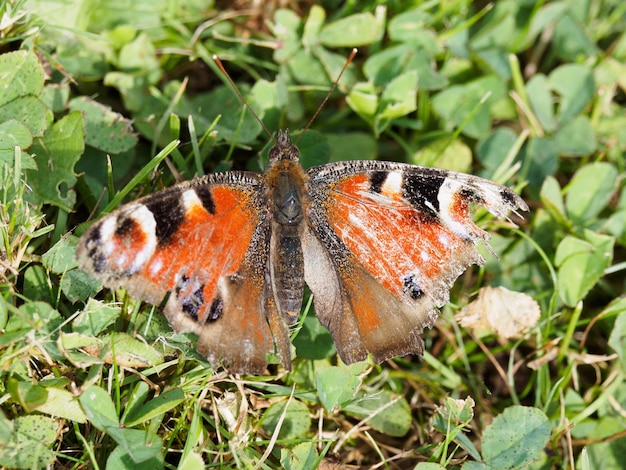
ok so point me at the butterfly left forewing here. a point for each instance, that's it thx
(403, 234)
(202, 245)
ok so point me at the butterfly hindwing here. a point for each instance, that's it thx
(401, 234)
(203, 245)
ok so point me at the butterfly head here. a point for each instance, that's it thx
(284, 150)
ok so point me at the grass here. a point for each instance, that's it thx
(96, 97)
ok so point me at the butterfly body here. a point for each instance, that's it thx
(378, 243)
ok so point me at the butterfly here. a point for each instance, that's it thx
(379, 244)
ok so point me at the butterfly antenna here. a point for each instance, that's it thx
(349, 60)
(330, 92)
(217, 60)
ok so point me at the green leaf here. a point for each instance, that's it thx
(552, 200)
(21, 75)
(617, 340)
(386, 412)
(56, 155)
(96, 317)
(589, 192)
(126, 350)
(302, 456)
(28, 395)
(104, 129)
(337, 385)
(540, 97)
(450, 155)
(140, 446)
(363, 100)
(351, 146)
(15, 134)
(30, 442)
(576, 138)
(575, 84)
(156, 406)
(516, 438)
(409, 25)
(398, 98)
(313, 340)
(61, 257)
(62, 404)
(541, 160)
(286, 28)
(296, 423)
(464, 105)
(77, 285)
(360, 29)
(99, 408)
(121, 459)
(581, 264)
(28, 110)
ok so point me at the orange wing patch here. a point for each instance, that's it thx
(405, 249)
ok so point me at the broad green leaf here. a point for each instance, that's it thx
(21, 75)
(399, 97)
(121, 459)
(541, 160)
(314, 149)
(139, 58)
(540, 97)
(455, 155)
(62, 404)
(306, 68)
(124, 349)
(337, 385)
(352, 146)
(617, 340)
(27, 394)
(571, 41)
(590, 191)
(516, 438)
(104, 129)
(28, 110)
(468, 105)
(221, 102)
(96, 317)
(61, 257)
(492, 149)
(37, 315)
(360, 29)
(156, 406)
(313, 26)
(286, 27)
(581, 264)
(386, 412)
(296, 422)
(313, 340)
(575, 85)
(54, 96)
(333, 64)
(192, 461)
(409, 25)
(37, 284)
(99, 408)
(363, 100)
(77, 285)
(576, 138)
(56, 155)
(552, 200)
(302, 456)
(30, 442)
(15, 134)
